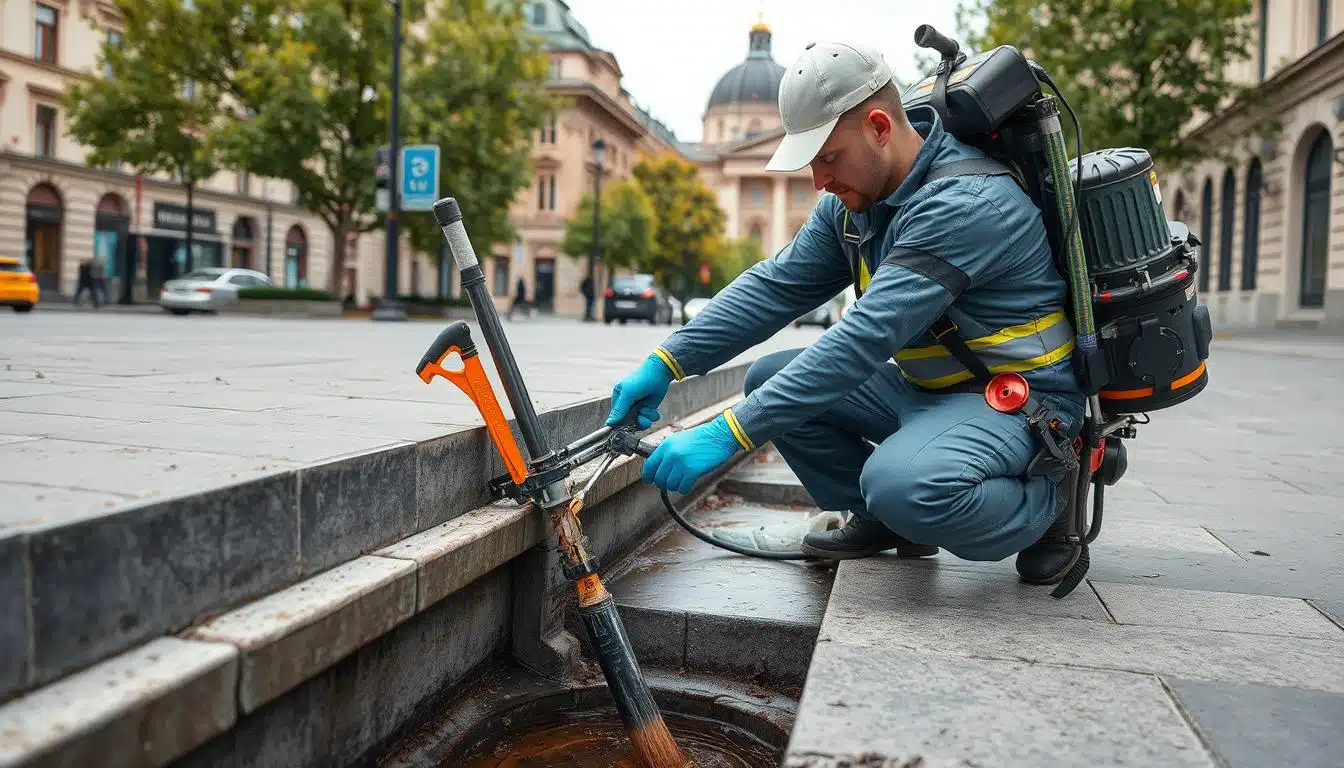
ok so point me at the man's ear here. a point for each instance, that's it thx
(881, 124)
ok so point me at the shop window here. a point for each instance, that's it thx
(1205, 234)
(1250, 245)
(44, 132)
(45, 33)
(1229, 201)
(1316, 223)
(501, 276)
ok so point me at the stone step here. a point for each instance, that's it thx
(766, 479)
(950, 662)
(689, 605)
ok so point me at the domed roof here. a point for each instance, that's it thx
(755, 80)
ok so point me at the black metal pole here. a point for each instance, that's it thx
(590, 311)
(389, 308)
(267, 192)
(191, 209)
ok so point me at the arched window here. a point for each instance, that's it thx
(1250, 237)
(1315, 222)
(296, 258)
(1226, 230)
(1205, 234)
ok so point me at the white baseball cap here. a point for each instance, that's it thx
(824, 82)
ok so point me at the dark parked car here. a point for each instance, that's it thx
(637, 297)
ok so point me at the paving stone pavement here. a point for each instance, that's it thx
(98, 411)
(1209, 632)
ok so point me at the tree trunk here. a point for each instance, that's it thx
(336, 279)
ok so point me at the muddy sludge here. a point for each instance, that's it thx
(597, 739)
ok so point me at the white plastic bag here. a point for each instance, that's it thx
(779, 537)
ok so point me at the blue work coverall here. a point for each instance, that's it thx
(937, 467)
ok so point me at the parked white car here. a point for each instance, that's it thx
(207, 289)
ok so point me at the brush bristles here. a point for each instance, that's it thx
(655, 745)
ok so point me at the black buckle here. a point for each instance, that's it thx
(1056, 454)
(943, 326)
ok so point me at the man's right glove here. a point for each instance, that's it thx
(642, 392)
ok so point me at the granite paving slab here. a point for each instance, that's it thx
(688, 604)
(165, 387)
(864, 610)
(1249, 726)
(894, 707)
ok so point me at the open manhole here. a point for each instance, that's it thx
(718, 723)
(596, 738)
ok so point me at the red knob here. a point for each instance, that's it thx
(1007, 392)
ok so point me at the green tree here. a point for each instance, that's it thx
(690, 221)
(293, 90)
(311, 82)
(1135, 71)
(733, 258)
(156, 122)
(476, 86)
(627, 225)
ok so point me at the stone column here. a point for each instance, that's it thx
(730, 199)
(779, 231)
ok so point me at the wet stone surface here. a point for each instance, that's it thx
(689, 604)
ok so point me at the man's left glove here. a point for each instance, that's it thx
(682, 458)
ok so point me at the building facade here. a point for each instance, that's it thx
(1272, 223)
(567, 166)
(742, 128)
(56, 211)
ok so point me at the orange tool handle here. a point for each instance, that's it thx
(471, 379)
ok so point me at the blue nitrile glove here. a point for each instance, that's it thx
(679, 462)
(643, 391)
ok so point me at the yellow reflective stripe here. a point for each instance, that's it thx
(1015, 366)
(738, 431)
(671, 362)
(1029, 328)
(864, 277)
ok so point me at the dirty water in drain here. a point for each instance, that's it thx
(597, 739)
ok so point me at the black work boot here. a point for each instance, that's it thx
(1052, 556)
(861, 538)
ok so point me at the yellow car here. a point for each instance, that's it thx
(18, 286)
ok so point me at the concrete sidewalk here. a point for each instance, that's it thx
(155, 469)
(1210, 632)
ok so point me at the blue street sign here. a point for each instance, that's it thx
(419, 177)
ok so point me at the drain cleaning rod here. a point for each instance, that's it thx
(615, 655)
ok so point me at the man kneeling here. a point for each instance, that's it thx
(878, 418)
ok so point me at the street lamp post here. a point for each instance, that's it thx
(599, 150)
(687, 280)
(389, 308)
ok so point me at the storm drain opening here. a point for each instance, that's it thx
(597, 738)
(514, 719)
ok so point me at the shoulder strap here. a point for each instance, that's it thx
(945, 328)
(849, 241)
(976, 166)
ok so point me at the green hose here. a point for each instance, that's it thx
(1075, 259)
